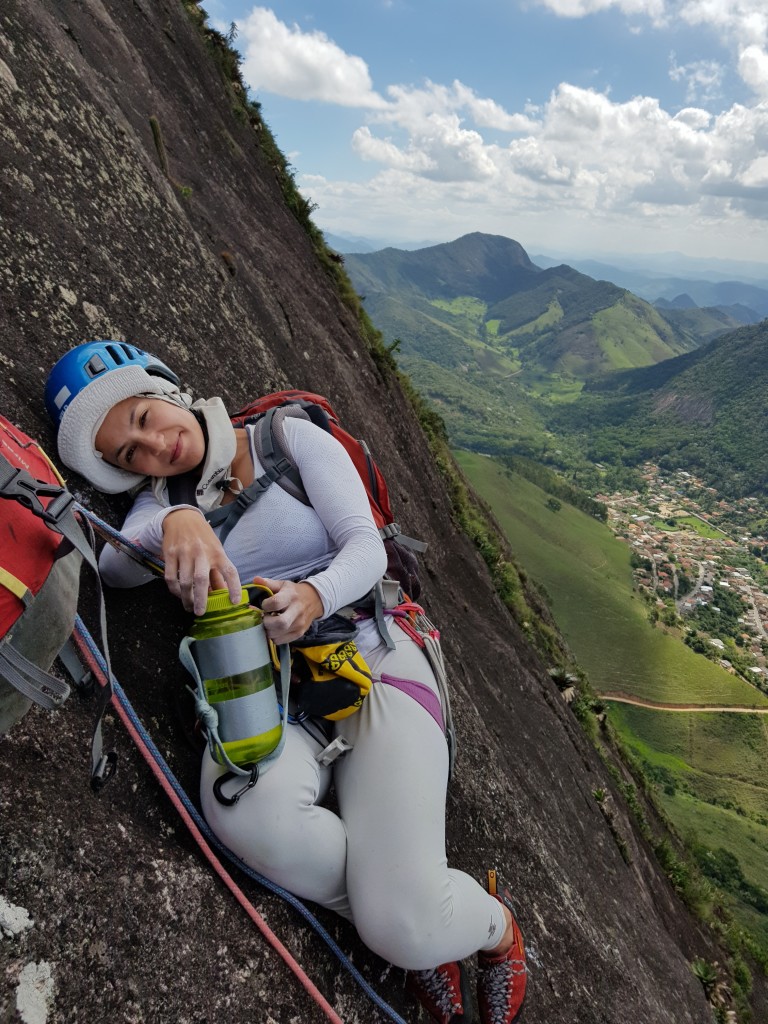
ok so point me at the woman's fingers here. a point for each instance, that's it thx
(195, 561)
(290, 611)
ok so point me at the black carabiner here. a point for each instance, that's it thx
(230, 801)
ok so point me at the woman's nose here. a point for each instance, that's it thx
(155, 443)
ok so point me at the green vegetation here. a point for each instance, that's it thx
(497, 345)
(552, 315)
(510, 582)
(629, 335)
(587, 574)
(591, 372)
(721, 617)
(463, 305)
(555, 485)
(710, 773)
(730, 851)
(699, 526)
(719, 758)
(702, 411)
(706, 769)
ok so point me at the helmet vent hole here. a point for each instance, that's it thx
(117, 354)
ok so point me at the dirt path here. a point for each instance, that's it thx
(623, 698)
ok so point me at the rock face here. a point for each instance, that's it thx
(108, 911)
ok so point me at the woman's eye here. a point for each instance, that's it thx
(129, 454)
(143, 419)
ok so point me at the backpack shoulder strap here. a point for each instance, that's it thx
(271, 449)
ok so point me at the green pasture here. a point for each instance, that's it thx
(628, 340)
(556, 388)
(699, 526)
(492, 360)
(689, 523)
(587, 577)
(714, 755)
(467, 326)
(552, 315)
(718, 827)
(463, 305)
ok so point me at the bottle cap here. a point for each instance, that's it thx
(218, 601)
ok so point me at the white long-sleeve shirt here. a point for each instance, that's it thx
(334, 543)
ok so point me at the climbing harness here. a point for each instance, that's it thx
(207, 839)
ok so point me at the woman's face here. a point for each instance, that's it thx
(151, 437)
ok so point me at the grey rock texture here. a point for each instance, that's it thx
(126, 922)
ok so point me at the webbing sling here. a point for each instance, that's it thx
(59, 515)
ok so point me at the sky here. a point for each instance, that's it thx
(573, 126)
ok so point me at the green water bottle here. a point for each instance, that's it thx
(231, 652)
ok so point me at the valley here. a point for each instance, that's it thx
(706, 766)
(621, 447)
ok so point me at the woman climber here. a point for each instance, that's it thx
(124, 423)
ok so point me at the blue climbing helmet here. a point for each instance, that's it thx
(81, 389)
(83, 364)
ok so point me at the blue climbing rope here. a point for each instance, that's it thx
(200, 822)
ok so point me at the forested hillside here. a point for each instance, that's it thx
(704, 412)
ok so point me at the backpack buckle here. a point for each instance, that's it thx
(28, 491)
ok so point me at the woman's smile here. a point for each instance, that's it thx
(151, 437)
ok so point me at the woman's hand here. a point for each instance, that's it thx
(195, 561)
(291, 610)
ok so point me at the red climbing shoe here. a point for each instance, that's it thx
(501, 980)
(443, 992)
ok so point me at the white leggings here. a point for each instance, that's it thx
(381, 861)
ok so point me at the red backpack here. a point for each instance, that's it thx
(39, 575)
(402, 565)
(41, 551)
(322, 415)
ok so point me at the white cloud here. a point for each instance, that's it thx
(384, 151)
(694, 117)
(302, 65)
(703, 79)
(586, 156)
(756, 175)
(448, 156)
(746, 19)
(432, 120)
(581, 8)
(487, 113)
(753, 68)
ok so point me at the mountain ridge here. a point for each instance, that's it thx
(541, 315)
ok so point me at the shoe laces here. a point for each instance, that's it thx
(438, 984)
(498, 981)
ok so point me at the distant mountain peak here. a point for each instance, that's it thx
(488, 267)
